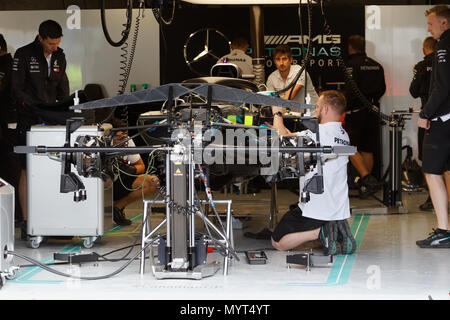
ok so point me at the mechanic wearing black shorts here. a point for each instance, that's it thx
(436, 148)
(294, 221)
(435, 119)
(314, 219)
(363, 129)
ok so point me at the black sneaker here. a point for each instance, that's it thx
(345, 237)
(364, 192)
(368, 185)
(119, 217)
(438, 239)
(328, 236)
(427, 205)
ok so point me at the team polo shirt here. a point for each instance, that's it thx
(275, 83)
(239, 58)
(333, 203)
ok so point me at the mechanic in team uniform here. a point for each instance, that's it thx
(361, 122)
(420, 84)
(5, 87)
(311, 220)
(238, 56)
(435, 119)
(38, 77)
(9, 162)
(419, 88)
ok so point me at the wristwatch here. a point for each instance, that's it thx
(279, 113)
(423, 115)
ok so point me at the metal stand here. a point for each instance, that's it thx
(273, 219)
(309, 259)
(200, 271)
(392, 192)
(179, 253)
(8, 266)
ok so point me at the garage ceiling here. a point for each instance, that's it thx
(95, 4)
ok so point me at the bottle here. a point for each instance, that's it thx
(307, 101)
(76, 101)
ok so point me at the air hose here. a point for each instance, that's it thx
(127, 62)
(127, 26)
(157, 12)
(348, 77)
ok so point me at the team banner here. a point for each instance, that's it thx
(183, 54)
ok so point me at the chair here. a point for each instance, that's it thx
(95, 91)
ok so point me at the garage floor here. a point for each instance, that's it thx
(387, 264)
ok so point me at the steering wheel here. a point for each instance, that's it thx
(203, 48)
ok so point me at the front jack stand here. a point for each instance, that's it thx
(309, 259)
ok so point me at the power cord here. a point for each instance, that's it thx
(307, 55)
(103, 256)
(45, 267)
(302, 44)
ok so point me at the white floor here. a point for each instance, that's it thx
(387, 264)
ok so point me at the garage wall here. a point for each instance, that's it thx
(322, 64)
(90, 58)
(394, 36)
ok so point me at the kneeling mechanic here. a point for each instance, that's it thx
(325, 215)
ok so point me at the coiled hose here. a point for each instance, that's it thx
(157, 12)
(126, 64)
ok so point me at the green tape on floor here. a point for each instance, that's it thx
(343, 264)
(339, 273)
(24, 275)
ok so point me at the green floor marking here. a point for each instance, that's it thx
(343, 264)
